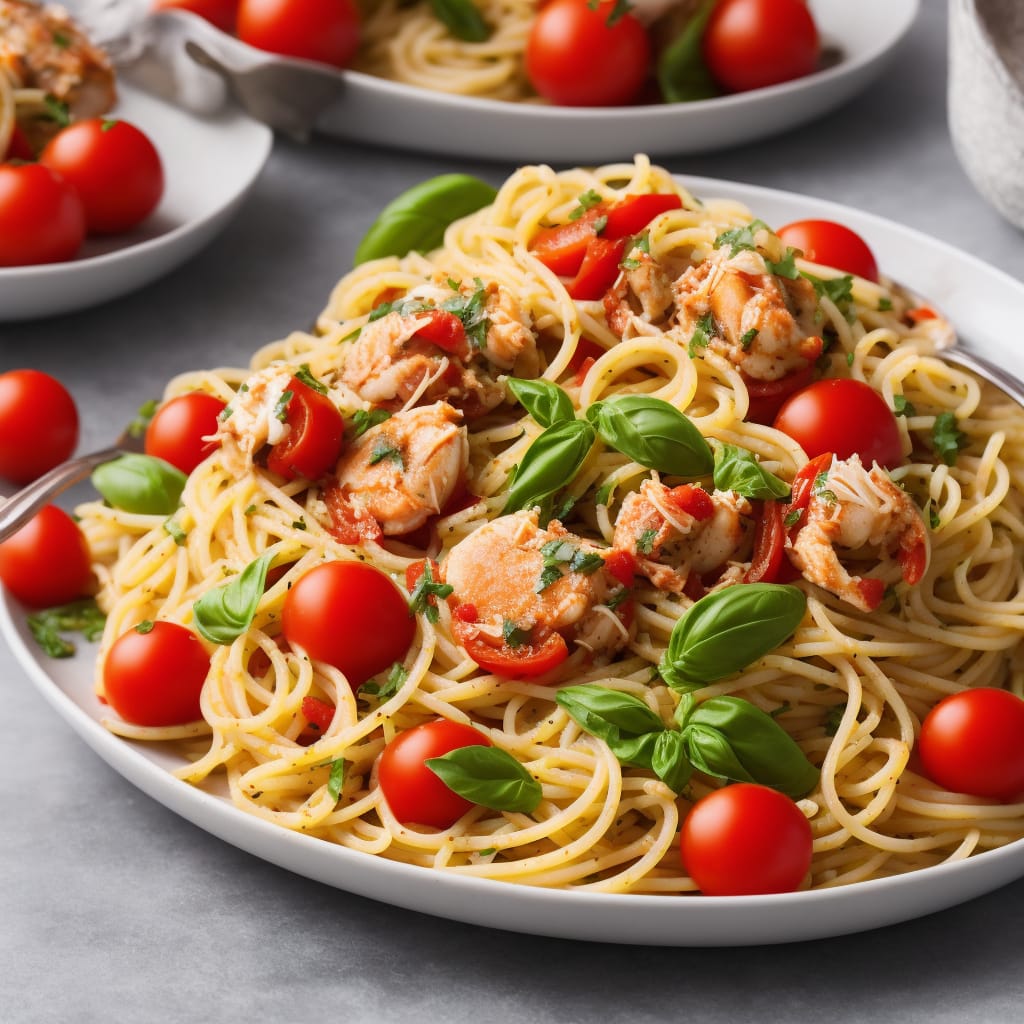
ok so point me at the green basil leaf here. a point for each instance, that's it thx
(488, 776)
(727, 630)
(140, 483)
(226, 612)
(337, 778)
(653, 433)
(418, 218)
(730, 738)
(670, 761)
(463, 19)
(547, 403)
(549, 464)
(737, 469)
(606, 713)
(682, 73)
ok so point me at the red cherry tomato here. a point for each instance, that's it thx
(843, 416)
(41, 216)
(832, 245)
(47, 561)
(744, 840)
(749, 44)
(316, 431)
(177, 431)
(523, 661)
(154, 674)
(973, 742)
(38, 424)
(575, 58)
(113, 167)
(322, 30)
(415, 794)
(218, 12)
(351, 616)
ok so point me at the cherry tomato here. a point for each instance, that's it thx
(154, 674)
(832, 245)
(113, 167)
(47, 561)
(575, 58)
(744, 840)
(218, 12)
(38, 424)
(178, 430)
(973, 742)
(523, 661)
(18, 148)
(322, 30)
(316, 431)
(415, 794)
(843, 416)
(351, 616)
(41, 216)
(749, 44)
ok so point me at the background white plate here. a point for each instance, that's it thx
(973, 294)
(210, 164)
(370, 109)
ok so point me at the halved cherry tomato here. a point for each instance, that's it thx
(622, 565)
(744, 840)
(414, 793)
(599, 268)
(844, 416)
(803, 486)
(154, 674)
(349, 615)
(769, 555)
(181, 430)
(38, 424)
(832, 245)
(444, 329)
(526, 660)
(315, 435)
(973, 742)
(47, 561)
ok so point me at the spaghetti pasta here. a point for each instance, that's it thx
(850, 686)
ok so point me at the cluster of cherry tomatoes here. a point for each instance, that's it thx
(94, 177)
(579, 52)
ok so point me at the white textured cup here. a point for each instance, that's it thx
(986, 98)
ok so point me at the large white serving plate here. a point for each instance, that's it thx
(210, 164)
(865, 34)
(972, 293)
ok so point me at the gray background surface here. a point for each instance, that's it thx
(113, 909)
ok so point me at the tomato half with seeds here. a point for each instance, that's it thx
(973, 742)
(316, 432)
(47, 561)
(181, 431)
(154, 674)
(532, 658)
(414, 793)
(350, 615)
(745, 840)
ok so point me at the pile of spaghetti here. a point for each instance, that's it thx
(884, 631)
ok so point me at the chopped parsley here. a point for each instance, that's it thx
(382, 691)
(884, 304)
(820, 491)
(587, 201)
(174, 530)
(470, 310)
(557, 553)
(383, 449)
(902, 407)
(641, 243)
(304, 374)
(363, 419)
(747, 338)
(645, 541)
(838, 290)
(948, 438)
(48, 624)
(833, 717)
(600, 224)
(337, 778)
(281, 409)
(513, 635)
(702, 334)
(424, 595)
(603, 495)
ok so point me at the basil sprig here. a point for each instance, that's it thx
(488, 776)
(549, 464)
(463, 19)
(727, 630)
(226, 612)
(547, 403)
(724, 737)
(737, 469)
(47, 625)
(682, 73)
(653, 433)
(140, 483)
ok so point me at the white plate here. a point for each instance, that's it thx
(974, 294)
(369, 109)
(209, 166)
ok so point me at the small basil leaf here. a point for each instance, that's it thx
(462, 18)
(653, 433)
(547, 403)
(730, 738)
(488, 776)
(549, 464)
(140, 483)
(607, 713)
(337, 778)
(727, 630)
(226, 612)
(419, 217)
(737, 469)
(682, 73)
